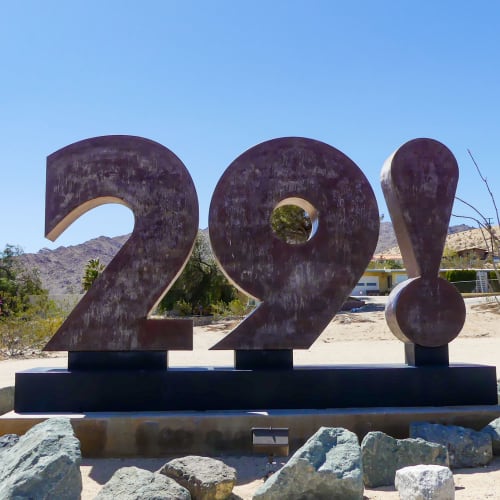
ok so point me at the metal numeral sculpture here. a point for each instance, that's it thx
(419, 182)
(302, 286)
(150, 180)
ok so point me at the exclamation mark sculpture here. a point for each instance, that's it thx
(426, 312)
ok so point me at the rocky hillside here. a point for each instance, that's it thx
(61, 270)
(460, 240)
(386, 237)
(387, 242)
(468, 239)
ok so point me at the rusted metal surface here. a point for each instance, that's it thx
(301, 286)
(150, 180)
(419, 182)
(427, 312)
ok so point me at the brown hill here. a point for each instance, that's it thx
(471, 238)
(61, 270)
(386, 237)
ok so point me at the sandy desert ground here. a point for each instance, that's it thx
(351, 338)
(470, 484)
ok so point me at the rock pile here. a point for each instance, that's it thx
(329, 465)
(383, 456)
(191, 477)
(45, 464)
(466, 447)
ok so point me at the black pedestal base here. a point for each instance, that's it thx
(417, 355)
(80, 391)
(117, 360)
(264, 360)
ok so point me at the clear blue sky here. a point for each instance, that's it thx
(211, 79)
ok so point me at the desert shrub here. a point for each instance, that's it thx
(17, 284)
(28, 318)
(182, 308)
(201, 283)
(238, 308)
(26, 335)
(219, 309)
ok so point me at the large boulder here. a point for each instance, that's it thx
(132, 483)
(466, 447)
(493, 430)
(43, 464)
(328, 466)
(8, 441)
(205, 478)
(6, 399)
(383, 455)
(425, 482)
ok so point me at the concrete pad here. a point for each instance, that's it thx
(175, 433)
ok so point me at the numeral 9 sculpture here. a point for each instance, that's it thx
(301, 286)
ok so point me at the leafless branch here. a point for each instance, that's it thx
(485, 220)
(484, 223)
(485, 181)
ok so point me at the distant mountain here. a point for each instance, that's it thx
(61, 270)
(459, 228)
(386, 237)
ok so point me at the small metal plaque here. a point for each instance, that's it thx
(270, 441)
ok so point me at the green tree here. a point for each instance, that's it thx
(17, 284)
(291, 223)
(200, 285)
(463, 279)
(93, 268)
(28, 318)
